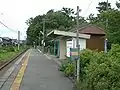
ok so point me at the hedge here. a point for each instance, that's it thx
(99, 70)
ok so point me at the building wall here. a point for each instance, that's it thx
(72, 44)
(95, 42)
(69, 45)
(62, 49)
(82, 43)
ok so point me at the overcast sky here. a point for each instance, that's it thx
(14, 13)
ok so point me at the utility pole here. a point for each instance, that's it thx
(43, 35)
(105, 47)
(18, 40)
(78, 46)
(25, 43)
(106, 17)
(39, 40)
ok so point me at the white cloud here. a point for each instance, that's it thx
(16, 12)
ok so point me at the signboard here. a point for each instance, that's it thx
(74, 53)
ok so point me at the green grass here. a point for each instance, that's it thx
(6, 54)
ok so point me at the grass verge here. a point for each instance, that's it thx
(6, 54)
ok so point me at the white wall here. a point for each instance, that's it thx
(69, 45)
(82, 43)
(72, 44)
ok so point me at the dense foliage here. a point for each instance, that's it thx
(68, 67)
(63, 19)
(109, 20)
(102, 71)
(99, 70)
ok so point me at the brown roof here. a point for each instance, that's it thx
(91, 29)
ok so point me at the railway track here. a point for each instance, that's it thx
(9, 67)
(12, 59)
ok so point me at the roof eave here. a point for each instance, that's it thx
(68, 34)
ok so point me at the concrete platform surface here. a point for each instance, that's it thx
(42, 74)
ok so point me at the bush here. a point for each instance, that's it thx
(11, 49)
(69, 70)
(64, 65)
(95, 72)
(67, 67)
(101, 71)
(85, 58)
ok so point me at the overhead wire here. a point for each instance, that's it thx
(87, 8)
(10, 28)
(7, 27)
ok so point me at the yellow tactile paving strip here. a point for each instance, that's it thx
(18, 79)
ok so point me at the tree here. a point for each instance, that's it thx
(29, 21)
(91, 18)
(34, 28)
(113, 30)
(60, 19)
(63, 19)
(118, 4)
(113, 16)
(100, 19)
(103, 6)
(68, 11)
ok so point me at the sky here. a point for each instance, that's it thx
(14, 13)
